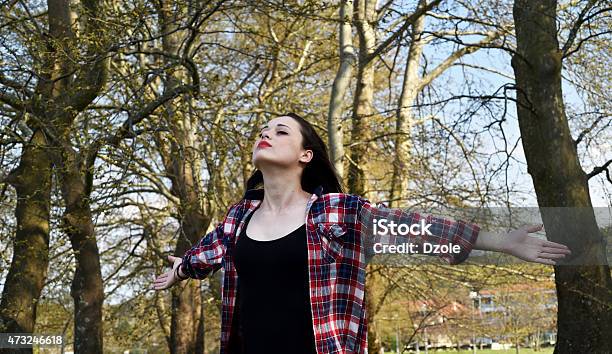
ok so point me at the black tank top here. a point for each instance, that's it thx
(273, 301)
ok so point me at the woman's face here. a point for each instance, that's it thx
(280, 144)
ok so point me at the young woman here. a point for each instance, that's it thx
(294, 252)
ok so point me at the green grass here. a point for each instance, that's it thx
(547, 350)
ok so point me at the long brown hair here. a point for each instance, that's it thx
(318, 172)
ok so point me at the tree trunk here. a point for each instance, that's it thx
(339, 88)
(187, 330)
(183, 167)
(28, 271)
(80, 82)
(403, 127)
(583, 291)
(362, 111)
(365, 15)
(374, 342)
(87, 289)
(32, 181)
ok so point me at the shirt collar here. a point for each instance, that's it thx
(258, 194)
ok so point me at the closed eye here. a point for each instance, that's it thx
(277, 132)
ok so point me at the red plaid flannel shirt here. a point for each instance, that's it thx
(337, 258)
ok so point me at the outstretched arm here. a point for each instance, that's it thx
(452, 240)
(518, 243)
(203, 259)
(171, 277)
(198, 262)
(466, 236)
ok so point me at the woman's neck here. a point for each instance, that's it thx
(282, 191)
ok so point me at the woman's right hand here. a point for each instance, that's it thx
(168, 279)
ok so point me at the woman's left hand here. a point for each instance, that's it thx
(528, 248)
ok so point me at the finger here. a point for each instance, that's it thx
(545, 261)
(552, 255)
(557, 250)
(164, 274)
(554, 245)
(160, 280)
(559, 253)
(534, 228)
(160, 287)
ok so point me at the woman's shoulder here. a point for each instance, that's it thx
(349, 201)
(343, 197)
(237, 209)
(346, 200)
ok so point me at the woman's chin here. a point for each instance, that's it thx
(262, 163)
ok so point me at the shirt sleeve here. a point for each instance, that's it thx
(206, 257)
(441, 232)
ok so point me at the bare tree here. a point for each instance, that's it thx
(64, 88)
(414, 83)
(584, 291)
(335, 129)
(183, 167)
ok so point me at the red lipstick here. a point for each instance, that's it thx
(263, 144)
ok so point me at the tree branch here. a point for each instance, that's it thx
(126, 129)
(577, 48)
(589, 129)
(13, 102)
(90, 81)
(91, 76)
(600, 169)
(409, 21)
(576, 27)
(17, 86)
(188, 63)
(188, 42)
(468, 49)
